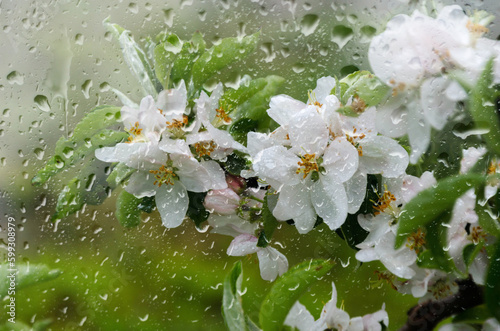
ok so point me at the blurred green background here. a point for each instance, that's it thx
(149, 277)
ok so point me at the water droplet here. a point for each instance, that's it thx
(169, 16)
(341, 35)
(309, 24)
(39, 153)
(42, 103)
(134, 9)
(298, 68)
(79, 39)
(144, 319)
(15, 78)
(86, 88)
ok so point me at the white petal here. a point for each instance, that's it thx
(308, 132)
(419, 132)
(277, 163)
(355, 189)
(294, 202)
(173, 101)
(437, 107)
(243, 245)
(172, 203)
(341, 159)
(356, 324)
(337, 319)
(283, 107)
(324, 88)
(299, 317)
(330, 201)
(141, 184)
(271, 263)
(392, 117)
(135, 155)
(215, 174)
(383, 155)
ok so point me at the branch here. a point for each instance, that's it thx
(425, 316)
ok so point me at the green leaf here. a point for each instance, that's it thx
(244, 92)
(148, 204)
(470, 252)
(119, 174)
(429, 204)
(492, 288)
(235, 163)
(196, 210)
(487, 220)
(436, 242)
(474, 315)
(127, 209)
(164, 56)
(88, 135)
(86, 188)
(483, 108)
(232, 309)
(270, 224)
(240, 129)
(366, 86)
(27, 275)
(287, 290)
(426, 260)
(220, 56)
(184, 61)
(135, 58)
(255, 107)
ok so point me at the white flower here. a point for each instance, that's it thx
(411, 56)
(166, 170)
(205, 136)
(382, 227)
(271, 262)
(334, 318)
(309, 173)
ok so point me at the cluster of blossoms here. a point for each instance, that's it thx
(315, 166)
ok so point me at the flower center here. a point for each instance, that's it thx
(384, 202)
(354, 140)
(384, 277)
(223, 116)
(477, 234)
(358, 105)
(441, 289)
(476, 29)
(164, 175)
(312, 99)
(205, 148)
(177, 124)
(416, 241)
(307, 164)
(135, 132)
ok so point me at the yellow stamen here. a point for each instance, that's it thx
(476, 28)
(441, 289)
(221, 113)
(358, 105)
(416, 241)
(205, 148)
(384, 276)
(384, 202)
(134, 131)
(177, 124)
(477, 234)
(312, 99)
(354, 140)
(307, 164)
(163, 175)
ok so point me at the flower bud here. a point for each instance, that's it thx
(224, 201)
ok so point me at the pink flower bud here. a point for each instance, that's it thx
(224, 201)
(236, 183)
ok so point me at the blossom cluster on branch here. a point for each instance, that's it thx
(406, 155)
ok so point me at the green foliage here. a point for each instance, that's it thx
(127, 211)
(235, 163)
(281, 297)
(431, 203)
(86, 188)
(119, 174)
(184, 61)
(256, 106)
(474, 315)
(232, 308)
(482, 108)
(20, 326)
(136, 59)
(364, 85)
(196, 210)
(27, 275)
(492, 288)
(270, 224)
(220, 56)
(89, 135)
(436, 241)
(470, 252)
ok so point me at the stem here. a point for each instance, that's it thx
(425, 316)
(254, 198)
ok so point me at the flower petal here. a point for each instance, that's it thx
(172, 203)
(243, 245)
(341, 159)
(299, 317)
(383, 155)
(141, 184)
(330, 201)
(271, 263)
(355, 189)
(282, 108)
